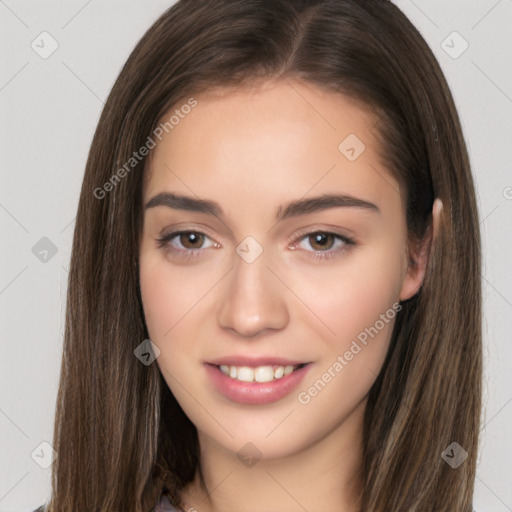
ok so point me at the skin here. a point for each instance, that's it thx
(253, 150)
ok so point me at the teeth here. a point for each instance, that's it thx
(245, 374)
(279, 372)
(258, 374)
(288, 370)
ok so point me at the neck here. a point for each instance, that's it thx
(325, 476)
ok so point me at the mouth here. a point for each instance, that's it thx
(263, 373)
(255, 383)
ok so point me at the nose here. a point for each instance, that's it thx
(253, 300)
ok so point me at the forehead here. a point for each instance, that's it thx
(280, 138)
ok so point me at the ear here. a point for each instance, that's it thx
(419, 254)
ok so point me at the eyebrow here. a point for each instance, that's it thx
(292, 209)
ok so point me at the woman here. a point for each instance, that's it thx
(278, 196)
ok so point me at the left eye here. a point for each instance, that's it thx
(321, 240)
(324, 243)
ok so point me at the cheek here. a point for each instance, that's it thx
(358, 305)
(168, 292)
(349, 297)
(172, 299)
(163, 308)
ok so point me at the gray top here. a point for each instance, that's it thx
(164, 505)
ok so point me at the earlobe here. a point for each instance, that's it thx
(416, 270)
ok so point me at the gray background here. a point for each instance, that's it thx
(49, 108)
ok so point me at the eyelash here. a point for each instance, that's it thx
(164, 242)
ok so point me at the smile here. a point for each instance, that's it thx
(255, 385)
(258, 374)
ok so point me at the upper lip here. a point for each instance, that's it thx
(254, 361)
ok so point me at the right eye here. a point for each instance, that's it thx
(191, 243)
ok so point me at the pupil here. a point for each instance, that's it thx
(191, 239)
(321, 239)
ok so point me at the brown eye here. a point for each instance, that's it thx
(191, 239)
(321, 241)
(324, 245)
(185, 243)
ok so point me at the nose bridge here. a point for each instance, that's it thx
(254, 299)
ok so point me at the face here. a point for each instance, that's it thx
(297, 259)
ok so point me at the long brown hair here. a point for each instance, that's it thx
(120, 435)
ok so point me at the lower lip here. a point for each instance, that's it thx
(255, 393)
